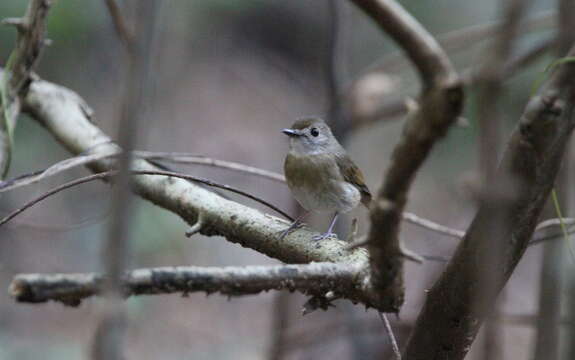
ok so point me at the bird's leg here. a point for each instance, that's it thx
(295, 225)
(328, 233)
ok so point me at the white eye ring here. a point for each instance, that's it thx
(314, 132)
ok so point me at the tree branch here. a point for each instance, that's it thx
(440, 105)
(312, 279)
(15, 80)
(448, 322)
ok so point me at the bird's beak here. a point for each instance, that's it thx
(291, 132)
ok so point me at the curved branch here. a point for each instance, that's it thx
(56, 190)
(440, 104)
(105, 175)
(419, 45)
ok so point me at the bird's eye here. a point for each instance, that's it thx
(314, 132)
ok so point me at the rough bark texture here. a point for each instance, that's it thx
(312, 279)
(449, 321)
(440, 104)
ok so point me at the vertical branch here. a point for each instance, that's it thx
(494, 189)
(119, 22)
(336, 66)
(449, 320)
(439, 106)
(18, 72)
(280, 323)
(557, 267)
(109, 335)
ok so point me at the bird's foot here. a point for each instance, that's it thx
(326, 235)
(294, 226)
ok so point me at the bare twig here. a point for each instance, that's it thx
(391, 336)
(119, 22)
(18, 72)
(461, 39)
(310, 279)
(57, 168)
(448, 324)
(394, 109)
(215, 185)
(440, 105)
(186, 158)
(107, 174)
(56, 190)
(433, 226)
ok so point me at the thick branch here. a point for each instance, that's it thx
(15, 80)
(448, 322)
(311, 279)
(440, 105)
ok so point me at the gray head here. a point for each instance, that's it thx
(311, 135)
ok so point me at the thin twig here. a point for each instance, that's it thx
(433, 226)
(18, 72)
(394, 109)
(29, 179)
(108, 174)
(215, 185)
(56, 190)
(124, 34)
(390, 334)
(187, 158)
(462, 39)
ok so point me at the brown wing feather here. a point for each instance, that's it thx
(354, 176)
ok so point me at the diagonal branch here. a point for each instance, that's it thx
(448, 322)
(311, 279)
(440, 105)
(15, 80)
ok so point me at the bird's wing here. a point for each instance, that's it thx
(353, 175)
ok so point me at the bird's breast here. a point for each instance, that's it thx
(316, 183)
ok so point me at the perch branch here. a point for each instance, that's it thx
(440, 104)
(311, 279)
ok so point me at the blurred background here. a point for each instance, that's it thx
(227, 77)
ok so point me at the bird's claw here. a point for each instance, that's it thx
(327, 235)
(292, 227)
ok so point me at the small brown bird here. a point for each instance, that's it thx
(320, 173)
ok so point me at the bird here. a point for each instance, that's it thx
(320, 174)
